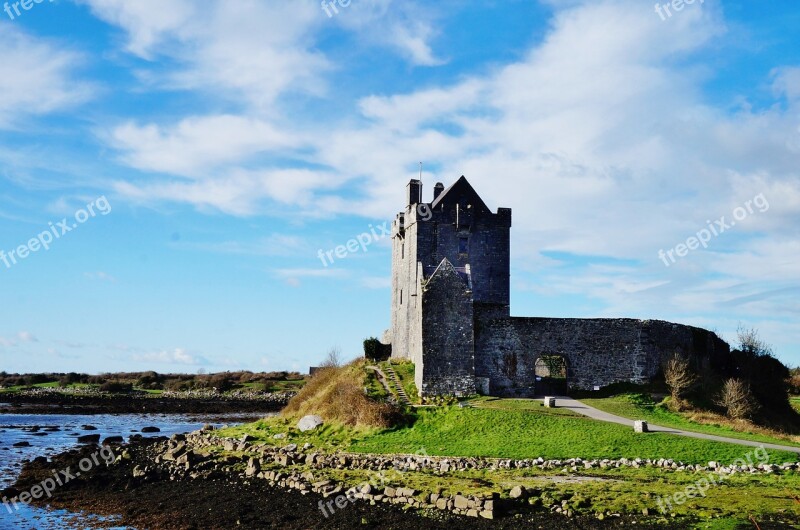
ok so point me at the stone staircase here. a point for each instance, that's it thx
(398, 387)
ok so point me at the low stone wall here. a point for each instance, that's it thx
(189, 457)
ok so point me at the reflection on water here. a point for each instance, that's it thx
(46, 434)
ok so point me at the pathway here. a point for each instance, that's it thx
(586, 410)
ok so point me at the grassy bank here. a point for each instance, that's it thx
(488, 432)
(492, 430)
(640, 407)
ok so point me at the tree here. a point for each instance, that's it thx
(678, 376)
(737, 399)
(333, 359)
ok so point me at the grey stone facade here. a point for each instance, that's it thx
(451, 314)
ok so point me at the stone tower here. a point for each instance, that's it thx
(450, 313)
(450, 264)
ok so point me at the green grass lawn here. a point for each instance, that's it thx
(521, 429)
(486, 432)
(530, 434)
(519, 404)
(636, 407)
(51, 384)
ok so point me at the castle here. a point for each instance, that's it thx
(451, 313)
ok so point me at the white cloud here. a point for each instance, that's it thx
(273, 245)
(240, 192)
(198, 145)
(249, 51)
(294, 277)
(100, 275)
(36, 77)
(26, 336)
(412, 41)
(176, 356)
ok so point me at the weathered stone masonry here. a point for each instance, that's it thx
(451, 312)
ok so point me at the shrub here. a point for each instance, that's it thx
(737, 399)
(376, 351)
(679, 377)
(116, 387)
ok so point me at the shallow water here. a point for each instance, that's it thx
(57, 433)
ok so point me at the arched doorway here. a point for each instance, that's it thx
(551, 375)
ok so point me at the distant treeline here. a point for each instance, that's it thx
(222, 381)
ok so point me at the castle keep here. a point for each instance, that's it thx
(451, 313)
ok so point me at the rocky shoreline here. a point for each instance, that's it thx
(255, 485)
(65, 403)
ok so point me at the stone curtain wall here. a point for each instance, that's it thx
(598, 352)
(448, 366)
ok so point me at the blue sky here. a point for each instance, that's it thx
(233, 140)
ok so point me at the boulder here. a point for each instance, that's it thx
(517, 492)
(151, 429)
(89, 438)
(309, 423)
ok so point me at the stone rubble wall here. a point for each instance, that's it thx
(189, 457)
(598, 352)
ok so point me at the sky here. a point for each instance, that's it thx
(171, 170)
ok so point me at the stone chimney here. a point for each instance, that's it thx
(437, 190)
(414, 192)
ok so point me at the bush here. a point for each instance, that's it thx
(737, 399)
(116, 387)
(679, 377)
(376, 351)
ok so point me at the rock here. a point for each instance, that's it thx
(88, 427)
(280, 436)
(253, 467)
(151, 429)
(22, 444)
(89, 439)
(207, 427)
(461, 502)
(517, 492)
(640, 426)
(309, 423)
(113, 440)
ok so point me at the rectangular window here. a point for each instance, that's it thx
(463, 245)
(403, 250)
(401, 297)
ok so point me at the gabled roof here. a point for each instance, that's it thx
(446, 268)
(463, 193)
